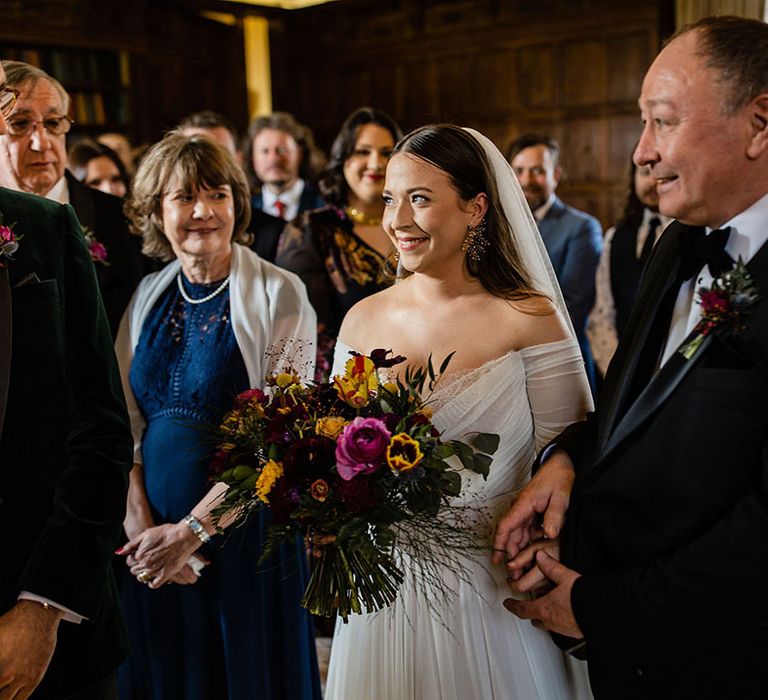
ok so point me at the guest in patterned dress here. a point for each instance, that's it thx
(215, 321)
(340, 251)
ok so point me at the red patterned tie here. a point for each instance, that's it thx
(280, 208)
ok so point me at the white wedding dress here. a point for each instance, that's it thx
(472, 648)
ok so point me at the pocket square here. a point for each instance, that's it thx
(31, 278)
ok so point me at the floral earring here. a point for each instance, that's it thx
(475, 242)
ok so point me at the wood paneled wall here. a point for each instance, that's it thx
(572, 69)
(180, 62)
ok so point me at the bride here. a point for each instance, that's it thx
(476, 281)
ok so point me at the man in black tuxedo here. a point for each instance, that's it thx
(65, 453)
(33, 159)
(664, 573)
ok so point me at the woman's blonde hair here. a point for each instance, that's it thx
(198, 161)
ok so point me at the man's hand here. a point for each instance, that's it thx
(524, 575)
(552, 611)
(27, 641)
(545, 497)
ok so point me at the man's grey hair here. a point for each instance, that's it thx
(18, 74)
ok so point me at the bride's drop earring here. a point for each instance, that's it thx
(475, 242)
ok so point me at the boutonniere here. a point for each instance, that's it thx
(725, 303)
(97, 250)
(9, 241)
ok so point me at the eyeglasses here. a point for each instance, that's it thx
(8, 97)
(55, 126)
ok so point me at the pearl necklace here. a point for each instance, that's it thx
(202, 300)
(363, 218)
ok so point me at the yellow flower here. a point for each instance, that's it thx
(358, 382)
(425, 411)
(391, 387)
(403, 453)
(285, 379)
(330, 426)
(271, 472)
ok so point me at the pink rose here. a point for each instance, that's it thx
(361, 447)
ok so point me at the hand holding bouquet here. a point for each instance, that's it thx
(345, 464)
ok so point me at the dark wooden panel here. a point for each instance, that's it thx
(584, 73)
(495, 88)
(539, 77)
(571, 68)
(629, 58)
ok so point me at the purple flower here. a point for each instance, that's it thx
(361, 447)
(98, 252)
(8, 241)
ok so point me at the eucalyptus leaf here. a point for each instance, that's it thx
(486, 442)
(465, 454)
(482, 464)
(445, 450)
(452, 483)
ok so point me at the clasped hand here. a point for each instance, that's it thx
(160, 555)
(527, 538)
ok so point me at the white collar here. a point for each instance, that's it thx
(649, 214)
(59, 192)
(288, 197)
(749, 230)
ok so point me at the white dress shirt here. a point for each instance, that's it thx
(290, 198)
(749, 231)
(59, 192)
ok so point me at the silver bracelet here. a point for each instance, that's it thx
(197, 528)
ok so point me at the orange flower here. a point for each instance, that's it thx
(319, 490)
(330, 426)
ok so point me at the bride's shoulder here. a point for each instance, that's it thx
(364, 317)
(535, 320)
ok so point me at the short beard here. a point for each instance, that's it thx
(278, 185)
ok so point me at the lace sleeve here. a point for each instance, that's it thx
(558, 391)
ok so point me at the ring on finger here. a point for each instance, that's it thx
(143, 576)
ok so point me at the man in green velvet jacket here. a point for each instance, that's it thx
(65, 453)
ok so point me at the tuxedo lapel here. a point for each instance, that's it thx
(664, 383)
(5, 341)
(622, 380)
(82, 202)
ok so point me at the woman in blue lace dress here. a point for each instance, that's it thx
(205, 619)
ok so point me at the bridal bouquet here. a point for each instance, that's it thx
(351, 465)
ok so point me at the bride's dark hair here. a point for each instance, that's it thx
(458, 154)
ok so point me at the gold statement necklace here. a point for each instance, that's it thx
(363, 218)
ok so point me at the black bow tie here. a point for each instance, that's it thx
(696, 250)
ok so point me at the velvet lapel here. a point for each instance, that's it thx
(5, 341)
(659, 277)
(677, 367)
(82, 202)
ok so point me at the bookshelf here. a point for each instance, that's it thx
(98, 82)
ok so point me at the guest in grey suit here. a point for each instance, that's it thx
(574, 239)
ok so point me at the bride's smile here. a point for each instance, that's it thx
(425, 217)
